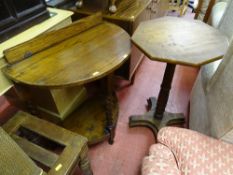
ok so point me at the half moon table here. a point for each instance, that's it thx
(83, 52)
(174, 41)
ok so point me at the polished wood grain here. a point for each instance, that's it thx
(44, 41)
(73, 146)
(81, 59)
(128, 16)
(180, 41)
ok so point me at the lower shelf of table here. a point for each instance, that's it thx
(90, 120)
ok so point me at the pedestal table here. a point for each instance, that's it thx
(174, 41)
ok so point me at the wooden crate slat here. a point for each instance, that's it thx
(36, 152)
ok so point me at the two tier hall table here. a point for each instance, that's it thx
(85, 51)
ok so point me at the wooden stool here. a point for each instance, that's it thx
(55, 149)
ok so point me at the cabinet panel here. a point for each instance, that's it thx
(23, 5)
(17, 15)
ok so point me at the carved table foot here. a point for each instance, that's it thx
(153, 123)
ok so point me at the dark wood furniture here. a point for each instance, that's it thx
(85, 51)
(129, 14)
(16, 16)
(174, 41)
(57, 150)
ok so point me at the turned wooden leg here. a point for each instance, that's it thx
(84, 162)
(109, 114)
(164, 90)
(109, 109)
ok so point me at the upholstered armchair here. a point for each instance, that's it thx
(184, 152)
(207, 116)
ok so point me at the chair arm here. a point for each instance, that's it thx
(197, 153)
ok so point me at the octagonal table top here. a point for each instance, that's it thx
(180, 41)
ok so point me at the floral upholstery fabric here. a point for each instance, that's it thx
(160, 161)
(192, 153)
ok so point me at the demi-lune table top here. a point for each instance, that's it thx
(80, 59)
(180, 41)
